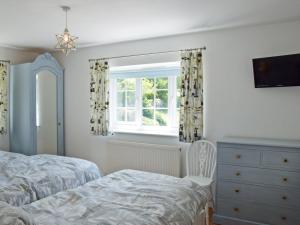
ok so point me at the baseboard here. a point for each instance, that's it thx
(224, 220)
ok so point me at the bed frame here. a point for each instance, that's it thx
(201, 217)
(210, 216)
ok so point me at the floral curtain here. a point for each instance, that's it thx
(4, 67)
(99, 97)
(191, 94)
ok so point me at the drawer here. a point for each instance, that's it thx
(258, 213)
(286, 160)
(259, 194)
(259, 176)
(236, 156)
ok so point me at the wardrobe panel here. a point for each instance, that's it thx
(21, 109)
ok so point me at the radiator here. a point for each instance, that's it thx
(162, 159)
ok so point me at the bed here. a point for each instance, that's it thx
(126, 197)
(25, 179)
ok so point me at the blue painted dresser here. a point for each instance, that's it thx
(258, 182)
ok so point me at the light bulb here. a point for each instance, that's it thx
(66, 37)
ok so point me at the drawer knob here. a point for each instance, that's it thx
(284, 198)
(238, 174)
(236, 209)
(283, 218)
(238, 156)
(284, 179)
(237, 190)
(285, 160)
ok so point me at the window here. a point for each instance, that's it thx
(145, 98)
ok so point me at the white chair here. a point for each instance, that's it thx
(201, 165)
(201, 162)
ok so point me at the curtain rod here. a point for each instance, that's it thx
(5, 61)
(150, 53)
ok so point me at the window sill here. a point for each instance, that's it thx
(152, 133)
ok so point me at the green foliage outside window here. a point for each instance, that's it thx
(154, 100)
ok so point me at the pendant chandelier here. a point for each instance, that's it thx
(65, 41)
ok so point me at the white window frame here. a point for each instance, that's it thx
(137, 127)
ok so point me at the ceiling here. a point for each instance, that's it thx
(34, 23)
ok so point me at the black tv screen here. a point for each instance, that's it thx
(277, 71)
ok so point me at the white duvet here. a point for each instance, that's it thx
(25, 179)
(127, 197)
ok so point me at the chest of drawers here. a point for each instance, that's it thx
(258, 182)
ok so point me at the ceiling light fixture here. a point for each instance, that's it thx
(65, 41)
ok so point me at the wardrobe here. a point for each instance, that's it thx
(36, 106)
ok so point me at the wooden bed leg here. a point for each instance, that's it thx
(210, 216)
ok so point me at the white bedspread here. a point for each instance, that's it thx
(25, 179)
(127, 197)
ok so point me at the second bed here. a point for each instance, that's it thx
(126, 197)
(25, 179)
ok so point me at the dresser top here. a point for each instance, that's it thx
(261, 141)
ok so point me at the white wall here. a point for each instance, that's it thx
(232, 105)
(15, 56)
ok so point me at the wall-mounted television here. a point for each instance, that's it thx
(277, 71)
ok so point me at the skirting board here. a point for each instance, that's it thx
(233, 221)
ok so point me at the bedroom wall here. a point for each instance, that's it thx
(15, 56)
(233, 107)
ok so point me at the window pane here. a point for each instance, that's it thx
(147, 85)
(121, 114)
(121, 84)
(148, 115)
(161, 117)
(131, 115)
(161, 100)
(148, 100)
(162, 83)
(148, 92)
(130, 83)
(130, 98)
(126, 84)
(121, 98)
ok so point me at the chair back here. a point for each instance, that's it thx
(201, 159)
